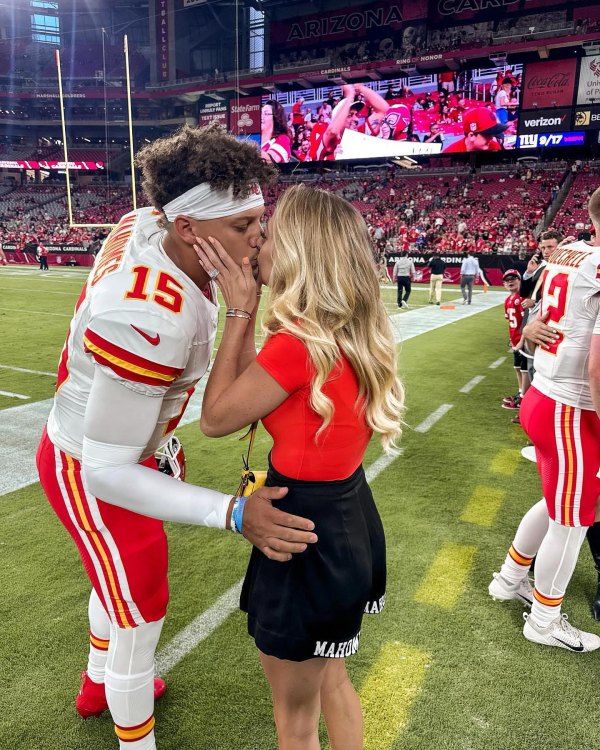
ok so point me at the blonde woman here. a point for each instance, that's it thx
(324, 381)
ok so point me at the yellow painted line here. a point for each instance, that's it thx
(483, 506)
(389, 690)
(446, 578)
(505, 462)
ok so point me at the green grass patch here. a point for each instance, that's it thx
(455, 677)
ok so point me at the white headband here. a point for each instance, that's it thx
(202, 202)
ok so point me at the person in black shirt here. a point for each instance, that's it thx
(437, 267)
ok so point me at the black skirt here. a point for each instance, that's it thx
(313, 605)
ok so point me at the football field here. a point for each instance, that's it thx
(442, 668)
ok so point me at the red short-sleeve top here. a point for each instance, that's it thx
(293, 425)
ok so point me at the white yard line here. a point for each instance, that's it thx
(497, 363)
(23, 369)
(434, 417)
(468, 387)
(14, 395)
(37, 291)
(187, 639)
(36, 312)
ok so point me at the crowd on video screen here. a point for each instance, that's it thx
(449, 112)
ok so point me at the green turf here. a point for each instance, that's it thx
(485, 686)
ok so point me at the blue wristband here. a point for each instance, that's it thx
(237, 514)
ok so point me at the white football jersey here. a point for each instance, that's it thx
(142, 320)
(571, 298)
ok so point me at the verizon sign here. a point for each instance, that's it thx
(589, 80)
(244, 116)
(549, 84)
(544, 121)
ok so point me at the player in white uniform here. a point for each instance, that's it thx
(140, 339)
(561, 415)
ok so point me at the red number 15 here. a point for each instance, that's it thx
(167, 292)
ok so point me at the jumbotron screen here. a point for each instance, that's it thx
(450, 112)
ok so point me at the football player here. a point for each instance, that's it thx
(140, 339)
(561, 414)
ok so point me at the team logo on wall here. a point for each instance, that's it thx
(588, 119)
(582, 118)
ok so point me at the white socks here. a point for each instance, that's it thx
(527, 541)
(99, 638)
(554, 567)
(130, 684)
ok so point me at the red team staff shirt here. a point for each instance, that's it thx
(293, 425)
(513, 312)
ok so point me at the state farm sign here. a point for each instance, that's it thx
(244, 116)
(549, 84)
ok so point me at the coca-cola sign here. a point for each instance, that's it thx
(589, 80)
(549, 84)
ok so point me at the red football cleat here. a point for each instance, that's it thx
(91, 698)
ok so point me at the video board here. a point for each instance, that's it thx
(439, 113)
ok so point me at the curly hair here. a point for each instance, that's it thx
(178, 162)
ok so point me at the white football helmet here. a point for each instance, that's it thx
(171, 458)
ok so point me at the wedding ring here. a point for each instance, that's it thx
(213, 273)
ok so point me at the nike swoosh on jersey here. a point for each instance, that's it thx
(154, 340)
(568, 645)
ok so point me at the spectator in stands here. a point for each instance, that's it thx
(469, 271)
(502, 100)
(480, 127)
(404, 270)
(3, 261)
(276, 144)
(377, 107)
(326, 137)
(435, 134)
(437, 267)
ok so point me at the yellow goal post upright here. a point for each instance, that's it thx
(64, 137)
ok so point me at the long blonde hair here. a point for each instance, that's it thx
(324, 290)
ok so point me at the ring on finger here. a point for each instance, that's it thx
(213, 273)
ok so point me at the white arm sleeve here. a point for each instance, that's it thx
(118, 425)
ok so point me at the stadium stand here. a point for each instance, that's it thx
(441, 212)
